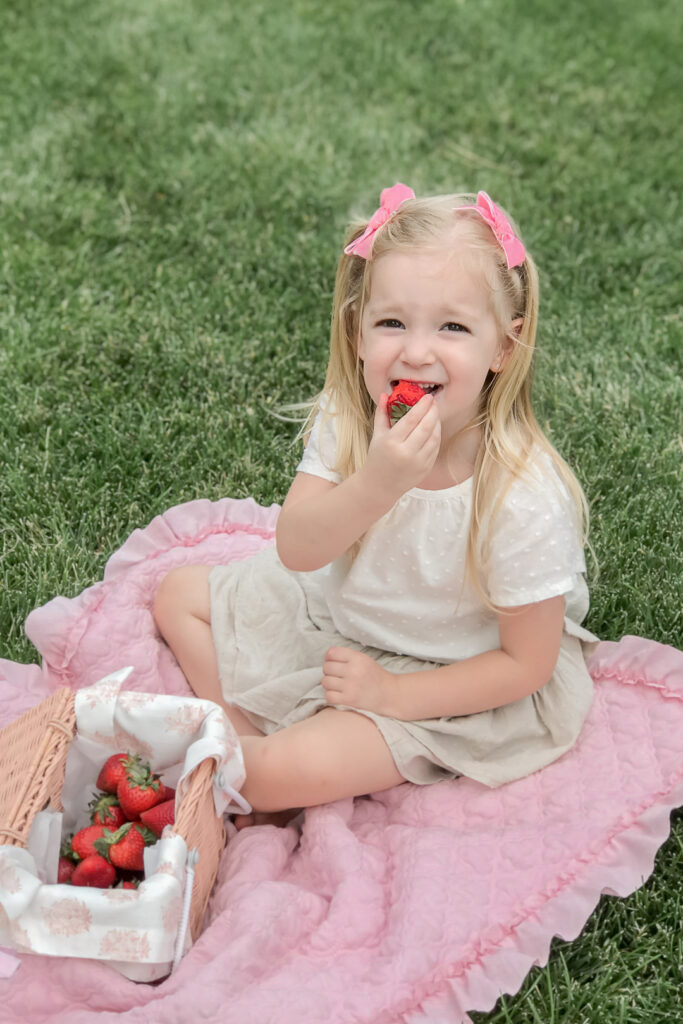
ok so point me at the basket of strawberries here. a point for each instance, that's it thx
(109, 855)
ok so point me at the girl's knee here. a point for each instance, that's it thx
(289, 769)
(165, 598)
(259, 771)
(184, 590)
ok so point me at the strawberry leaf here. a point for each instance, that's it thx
(147, 834)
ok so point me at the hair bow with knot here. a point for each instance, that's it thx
(512, 246)
(389, 202)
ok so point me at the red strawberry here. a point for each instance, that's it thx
(131, 883)
(106, 810)
(140, 788)
(125, 847)
(129, 876)
(405, 394)
(111, 773)
(83, 843)
(67, 850)
(159, 816)
(65, 869)
(165, 792)
(94, 870)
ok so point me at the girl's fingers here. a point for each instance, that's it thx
(334, 664)
(413, 417)
(426, 427)
(382, 425)
(410, 446)
(337, 654)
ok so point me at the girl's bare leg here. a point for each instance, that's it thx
(332, 755)
(182, 611)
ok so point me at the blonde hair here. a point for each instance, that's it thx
(510, 430)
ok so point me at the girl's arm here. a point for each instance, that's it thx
(320, 520)
(530, 638)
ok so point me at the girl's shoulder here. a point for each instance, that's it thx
(320, 452)
(534, 547)
(538, 483)
(534, 504)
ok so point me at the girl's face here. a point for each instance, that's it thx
(429, 319)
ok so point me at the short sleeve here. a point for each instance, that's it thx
(535, 548)
(320, 453)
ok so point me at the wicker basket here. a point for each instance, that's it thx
(33, 753)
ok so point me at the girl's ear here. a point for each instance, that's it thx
(516, 326)
(507, 345)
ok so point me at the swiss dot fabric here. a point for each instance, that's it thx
(407, 591)
(320, 453)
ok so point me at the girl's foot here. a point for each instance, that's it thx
(279, 818)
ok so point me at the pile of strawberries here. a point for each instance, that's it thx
(128, 813)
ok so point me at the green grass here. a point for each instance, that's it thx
(175, 177)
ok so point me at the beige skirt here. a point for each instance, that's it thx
(271, 628)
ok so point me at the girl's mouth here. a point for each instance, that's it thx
(427, 386)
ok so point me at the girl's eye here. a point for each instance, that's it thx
(454, 326)
(390, 322)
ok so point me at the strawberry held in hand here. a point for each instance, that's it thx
(405, 394)
(140, 789)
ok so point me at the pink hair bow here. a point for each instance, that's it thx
(515, 252)
(389, 202)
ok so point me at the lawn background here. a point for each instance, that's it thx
(175, 178)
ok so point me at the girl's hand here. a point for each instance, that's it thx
(355, 680)
(400, 457)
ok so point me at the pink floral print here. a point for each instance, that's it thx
(125, 944)
(185, 720)
(68, 917)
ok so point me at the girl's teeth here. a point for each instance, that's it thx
(429, 388)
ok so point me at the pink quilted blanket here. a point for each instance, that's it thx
(419, 904)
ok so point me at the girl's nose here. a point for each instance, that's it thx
(417, 349)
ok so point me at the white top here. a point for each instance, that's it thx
(406, 591)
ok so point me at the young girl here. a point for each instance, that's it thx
(419, 616)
